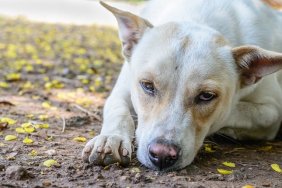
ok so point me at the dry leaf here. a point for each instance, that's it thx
(135, 170)
(20, 130)
(208, 148)
(7, 103)
(7, 120)
(27, 140)
(46, 105)
(4, 85)
(13, 77)
(29, 129)
(3, 125)
(42, 126)
(276, 168)
(265, 148)
(50, 162)
(248, 186)
(43, 117)
(33, 153)
(224, 172)
(80, 139)
(10, 137)
(229, 164)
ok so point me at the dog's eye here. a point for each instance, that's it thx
(205, 97)
(148, 87)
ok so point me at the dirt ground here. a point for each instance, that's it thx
(59, 76)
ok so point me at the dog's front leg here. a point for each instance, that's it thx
(114, 144)
(253, 121)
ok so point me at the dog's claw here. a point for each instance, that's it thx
(124, 152)
(105, 150)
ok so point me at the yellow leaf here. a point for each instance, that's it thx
(13, 77)
(224, 172)
(7, 120)
(33, 153)
(10, 137)
(27, 85)
(46, 105)
(50, 162)
(80, 139)
(29, 129)
(30, 116)
(26, 125)
(229, 164)
(92, 133)
(276, 168)
(42, 126)
(43, 117)
(20, 130)
(4, 85)
(265, 148)
(49, 138)
(208, 148)
(248, 186)
(27, 140)
(2, 144)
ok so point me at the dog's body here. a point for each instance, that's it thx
(186, 77)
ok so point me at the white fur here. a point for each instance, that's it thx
(251, 112)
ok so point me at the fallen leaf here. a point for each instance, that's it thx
(26, 125)
(29, 129)
(265, 148)
(135, 170)
(224, 172)
(80, 139)
(33, 153)
(92, 133)
(30, 116)
(208, 148)
(4, 85)
(229, 164)
(20, 130)
(46, 105)
(276, 168)
(27, 140)
(13, 77)
(2, 144)
(248, 186)
(50, 162)
(43, 117)
(42, 126)
(7, 103)
(3, 125)
(10, 137)
(7, 120)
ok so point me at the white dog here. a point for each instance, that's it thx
(192, 67)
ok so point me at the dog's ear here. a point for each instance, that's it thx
(131, 28)
(254, 63)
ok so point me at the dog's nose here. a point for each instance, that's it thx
(163, 154)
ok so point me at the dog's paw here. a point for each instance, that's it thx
(107, 149)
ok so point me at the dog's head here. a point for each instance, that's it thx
(185, 80)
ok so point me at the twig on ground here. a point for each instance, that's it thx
(64, 124)
(87, 112)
